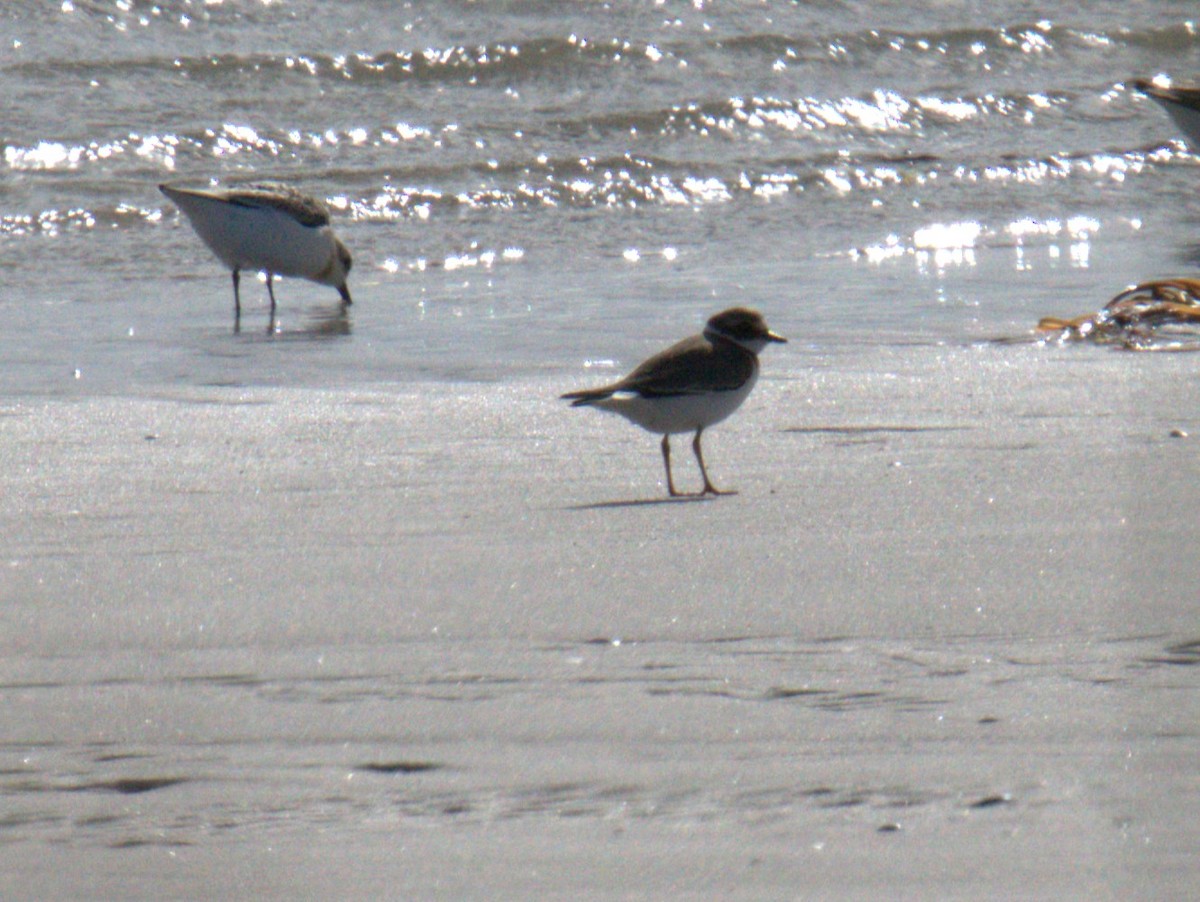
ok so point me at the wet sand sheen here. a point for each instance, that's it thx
(414, 624)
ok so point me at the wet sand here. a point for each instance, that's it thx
(450, 640)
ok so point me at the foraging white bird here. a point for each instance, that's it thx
(267, 227)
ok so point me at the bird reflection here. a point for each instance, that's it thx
(318, 324)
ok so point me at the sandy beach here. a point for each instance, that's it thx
(448, 640)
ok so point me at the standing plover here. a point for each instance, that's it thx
(267, 227)
(1182, 104)
(691, 385)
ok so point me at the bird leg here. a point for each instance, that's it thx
(709, 488)
(666, 452)
(237, 298)
(271, 292)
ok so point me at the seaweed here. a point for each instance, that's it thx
(1159, 315)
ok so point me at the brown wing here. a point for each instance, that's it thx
(1186, 96)
(692, 366)
(306, 210)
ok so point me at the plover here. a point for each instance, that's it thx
(691, 385)
(1182, 104)
(267, 227)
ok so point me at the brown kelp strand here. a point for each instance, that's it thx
(1159, 315)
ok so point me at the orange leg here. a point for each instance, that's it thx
(709, 488)
(666, 453)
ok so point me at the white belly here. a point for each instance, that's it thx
(260, 238)
(681, 413)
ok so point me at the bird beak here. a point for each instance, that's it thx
(345, 293)
(773, 336)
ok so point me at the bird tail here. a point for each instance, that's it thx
(587, 396)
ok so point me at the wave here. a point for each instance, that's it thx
(624, 181)
(551, 56)
(53, 222)
(878, 111)
(1026, 37)
(528, 58)
(842, 120)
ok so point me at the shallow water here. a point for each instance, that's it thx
(537, 186)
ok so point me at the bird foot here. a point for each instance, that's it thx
(703, 493)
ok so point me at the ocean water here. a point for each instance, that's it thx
(217, 681)
(539, 187)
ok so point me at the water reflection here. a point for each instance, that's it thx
(316, 324)
(939, 246)
(945, 245)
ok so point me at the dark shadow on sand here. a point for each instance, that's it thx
(645, 502)
(870, 429)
